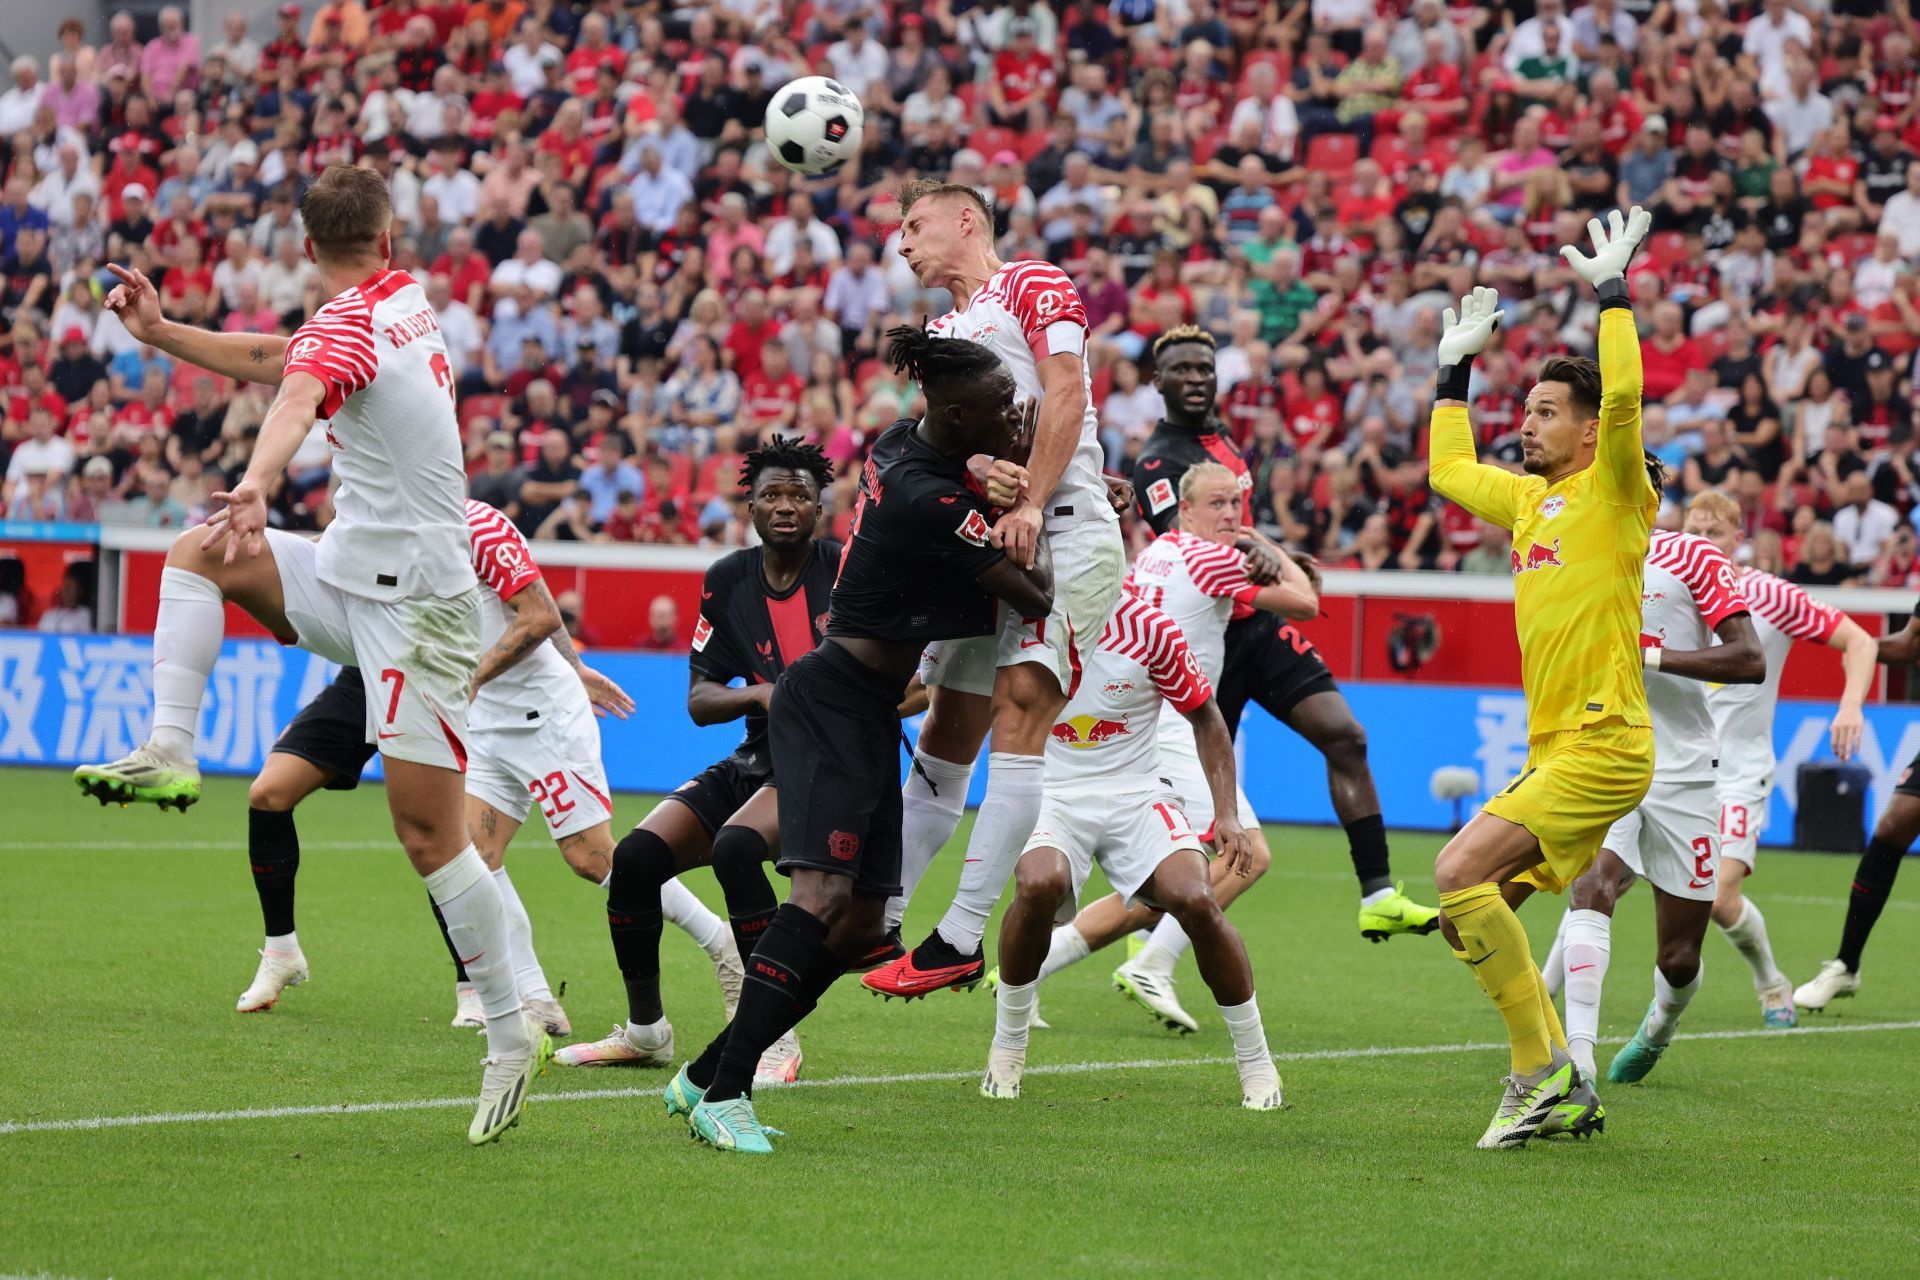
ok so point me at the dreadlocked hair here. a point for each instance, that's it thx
(1656, 472)
(787, 453)
(1184, 333)
(942, 365)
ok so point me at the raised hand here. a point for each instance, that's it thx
(242, 520)
(1466, 335)
(136, 302)
(1613, 246)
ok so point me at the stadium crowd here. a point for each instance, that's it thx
(632, 292)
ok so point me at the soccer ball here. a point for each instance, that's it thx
(814, 125)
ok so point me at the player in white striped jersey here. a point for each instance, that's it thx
(1108, 802)
(1194, 574)
(1031, 316)
(1688, 597)
(389, 587)
(1743, 714)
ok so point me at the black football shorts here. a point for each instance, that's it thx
(718, 791)
(1271, 664)
(331, 731)
(835, 730)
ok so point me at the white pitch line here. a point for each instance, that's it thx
(914, 1077)
(176, 846)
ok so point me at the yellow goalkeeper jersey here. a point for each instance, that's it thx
(1578, 548)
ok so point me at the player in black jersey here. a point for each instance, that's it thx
(1269, 661)
(922, 566)
(761, 610)
(1893, 836)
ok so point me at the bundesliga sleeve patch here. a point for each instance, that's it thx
(974, 529)
(702, 632)
(1160, 495)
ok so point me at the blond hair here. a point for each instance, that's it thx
(1200, 473)
(1718, 504)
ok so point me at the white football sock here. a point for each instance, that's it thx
(526, 965)
(1378, 895)
(1007, 816)
(1013, 1014)
(1669, 1002)
(1249, 1038)
(1588, 947)
(1165, 945)
(1553, 970)
(1748, 935)
(931, 803)
(469, 899)
(679, 906)
(651, 1036)
(1068, 947)
(186, 643)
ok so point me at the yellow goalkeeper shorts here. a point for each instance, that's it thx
(1577, 783)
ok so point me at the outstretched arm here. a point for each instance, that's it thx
(1452, 467)
(1737, 659)
(246, 357)
(1619, 456)
(535, 617)
(1214, 746)
(244, 515)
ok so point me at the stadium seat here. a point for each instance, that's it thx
(717, 475)
(1712, 344)
(1333, 154)
(987, 141)
(1855, 245)
(1206, 144)
(1666, 248)
(1030, 145)
(680, 470)
(486, 406)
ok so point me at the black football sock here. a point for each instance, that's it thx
(785, 966)
(1872, 885)
(459, 970)
(1367, 846)
(703, 1068)
(273, 850)
(740, 865)
(642, 863)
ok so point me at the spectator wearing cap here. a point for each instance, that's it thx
(912, 59)
(286, 49)
(75, 370)
(351, 15)
(498, 482)
(94, 491)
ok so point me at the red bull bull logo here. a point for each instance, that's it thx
(1540, 555)
(1081, 732)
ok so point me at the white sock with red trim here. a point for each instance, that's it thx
(681, 908)
(187, 632)
(469, 901)
(1008, 814)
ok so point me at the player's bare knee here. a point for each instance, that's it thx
(1679, 961)
(1593, 892)
(822, 896)
(1345, 745)
(187, 554)
(1045, 880)
(590, 862)
(1261, 855)
(1727, 903)
(271, 794)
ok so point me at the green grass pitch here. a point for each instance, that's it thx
(128, 935)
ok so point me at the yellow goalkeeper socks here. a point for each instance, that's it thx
(1496, 949)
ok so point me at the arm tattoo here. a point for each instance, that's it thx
(259, 354)
(562, 643)
(519, 639)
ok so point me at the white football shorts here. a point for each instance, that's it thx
(1672, 839)
(417, 655)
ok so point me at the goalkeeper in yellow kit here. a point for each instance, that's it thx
(1580, 519)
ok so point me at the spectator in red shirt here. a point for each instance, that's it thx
(771, 395)
(754, 329)
(1668, 354)
(1313, 416)
(1433, 89)
(149, 415)
(1022, 83)
(467, 272)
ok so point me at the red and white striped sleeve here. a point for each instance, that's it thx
(1162, 649)
(1218, 571)
(501, 557)
(1710, 577)
(1052, 317)
(1789, 609)
(336, 346)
